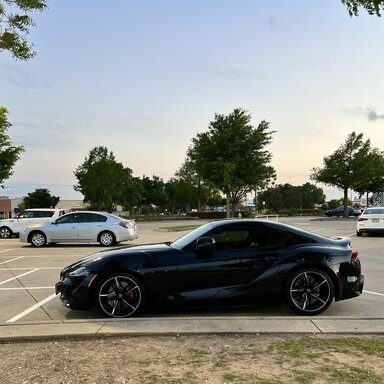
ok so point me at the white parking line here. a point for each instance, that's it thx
(28, 269)
(16, 277)
(8, 261)
(31, 309)
(318, 229)
(373, 293)
(6, 250)
(24, 288)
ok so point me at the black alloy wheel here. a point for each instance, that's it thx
(359, 234)
(38, 239)
(106, 239)
(309, 291)
(5, 233)
(120, 295)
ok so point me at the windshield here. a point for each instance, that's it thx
(191, 236)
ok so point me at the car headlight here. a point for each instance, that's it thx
(82, 271)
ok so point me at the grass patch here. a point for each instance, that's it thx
(178, 228)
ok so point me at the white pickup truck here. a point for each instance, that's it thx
(10, 227)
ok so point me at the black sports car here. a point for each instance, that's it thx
(236, 261)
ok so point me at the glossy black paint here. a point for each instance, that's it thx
(250, 260)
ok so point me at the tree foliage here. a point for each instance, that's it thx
(9, 153)
(353, 165)
(231, 155)
(15, 23)
(40, 198)
(103, 181)
(287, 196)
(373, 7)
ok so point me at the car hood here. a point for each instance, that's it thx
(136, 255)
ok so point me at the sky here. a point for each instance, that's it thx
(143, 77)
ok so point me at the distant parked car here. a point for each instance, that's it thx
(339, 211)
(10, 227)
(370, 221)
(84, 227)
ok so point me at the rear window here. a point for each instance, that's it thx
(374, 211)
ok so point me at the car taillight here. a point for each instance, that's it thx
(124, 224)
(355, 255)
(362, 219)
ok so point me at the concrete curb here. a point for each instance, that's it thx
(190, 326)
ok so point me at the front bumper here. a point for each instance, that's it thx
(75, 292)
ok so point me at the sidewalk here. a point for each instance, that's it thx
(188, 326)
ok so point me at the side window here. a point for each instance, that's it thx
(67, 219)
(267, 238)
(25, 215)
(43, 214)
(231, 238)
(94, 218)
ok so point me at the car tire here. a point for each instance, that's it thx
(120, 295)
(38, 239)
(359, 234)
(5, 232)
(106, 239)
(309, 291)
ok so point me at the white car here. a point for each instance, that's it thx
(82, 226)
(370, 221)
(10, 227)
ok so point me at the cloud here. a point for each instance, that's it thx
(370, 113)
(373, 116)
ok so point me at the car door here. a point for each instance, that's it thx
(90, 225)
(64, 228)
(22, 221)
(202, 274)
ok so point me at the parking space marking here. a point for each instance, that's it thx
(16, 277)
(8, 261)
(318, 229)
(24, 288)
(27, 269)
(374, 293)
(6, 250)
(31, 309)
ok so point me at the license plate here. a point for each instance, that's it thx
(375, 220)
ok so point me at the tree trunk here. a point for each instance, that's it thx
(228, 205)
(345, 201)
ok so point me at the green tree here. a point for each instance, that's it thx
(102, 180)
(373, 7)
(347, 167)
(153, 195)
(40, 198)
(231, 156)
(15, 23)
(9, 153)
(287, 196)
(374, 174)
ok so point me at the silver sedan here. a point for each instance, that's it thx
(84, 227)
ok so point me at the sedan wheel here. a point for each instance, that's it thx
(107, 239)
(5, 233)
(120, 295)
(38, 239)
(309, 291)
(359, 234)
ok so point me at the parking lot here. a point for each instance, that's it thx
(28, 275)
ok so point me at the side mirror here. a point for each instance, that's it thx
(204, 243)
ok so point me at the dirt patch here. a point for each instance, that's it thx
(195, 359)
